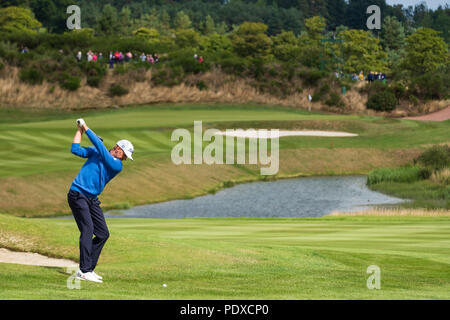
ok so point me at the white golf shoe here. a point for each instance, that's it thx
(97, 276)
(88, 276)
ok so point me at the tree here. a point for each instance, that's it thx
(310, 42)
(221, 28)
(187, 38)
(165, 22)
(125, 20)
(149, 20)
(182, 21)
(108, 20)
(250, 40)
(357, 12)
(392, 34)
(362, 52)
(315, 26)
(442, 22)
(286, 46)
(218, 43)
(52, 13)
(426, 51)
(336, 12)
(146, 34)
(14, 19)
(209, 26)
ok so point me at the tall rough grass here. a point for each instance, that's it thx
(222, 88)
(441, 176)
(402, 174)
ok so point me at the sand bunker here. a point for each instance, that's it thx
(285, 133)
(33, 259)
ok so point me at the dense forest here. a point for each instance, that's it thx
(280, 46)
(104, 16)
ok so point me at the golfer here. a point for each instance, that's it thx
(101, 166)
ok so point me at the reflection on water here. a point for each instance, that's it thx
(301, 197)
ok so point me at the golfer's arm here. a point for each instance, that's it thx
(78, 136)
(78, 150)
(104, 153)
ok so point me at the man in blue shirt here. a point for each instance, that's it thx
(101, 166)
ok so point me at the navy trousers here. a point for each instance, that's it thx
(90, 221)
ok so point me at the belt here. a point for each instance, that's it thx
(88, 197)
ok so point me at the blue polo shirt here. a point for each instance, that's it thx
(99, 168)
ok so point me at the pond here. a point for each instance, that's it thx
(300, 197)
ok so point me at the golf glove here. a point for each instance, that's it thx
(81, 122)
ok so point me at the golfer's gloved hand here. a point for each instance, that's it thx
(81, 122)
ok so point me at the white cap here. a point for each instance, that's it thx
(127, 147)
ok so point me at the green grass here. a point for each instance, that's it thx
(41, 146)
(424, 193)
(242, 258)
(38, 167)
(406, 174)
(324, 258)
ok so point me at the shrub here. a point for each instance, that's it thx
(138, 75)
(399, 90)
(382, 101)
(414, 100)
(403, 174)
(168, 76)
(8, 50)
(374, 87)
(31, 76)
(316, 97)
(311, 78)
(424, 173)
(256, 67)
(436, 158)
(441, 176)
(335, 100)
(232, 64)
(69, 82)
(229, 184)
(201, 85)
(122, 68)
(94, 81)
(117, 90)
(78, 38)
(324, 89)
(92, 69)
(429, 86)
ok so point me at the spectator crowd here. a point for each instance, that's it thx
(118, 57)
(371, 77)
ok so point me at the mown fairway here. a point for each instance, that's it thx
(216, 258)
(38, 170)
(42, 146)
(323, 258)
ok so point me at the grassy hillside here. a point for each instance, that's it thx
(38, 167)
(324, 258)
